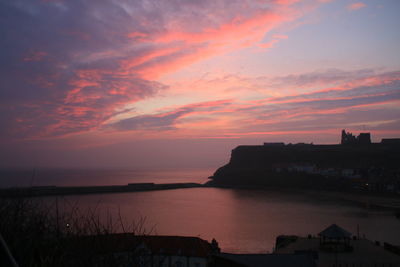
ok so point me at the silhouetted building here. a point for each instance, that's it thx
(260, 260)
(214, 246)
(127, 249)
(364, 138)
(334, 238)
(179, 251)
(274, 144)
(391, 141)
(349, 139)
(337, 247)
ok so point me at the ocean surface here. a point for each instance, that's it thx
(246, 221)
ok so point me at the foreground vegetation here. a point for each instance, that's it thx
(35, 234)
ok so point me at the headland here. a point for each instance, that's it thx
(355, 165)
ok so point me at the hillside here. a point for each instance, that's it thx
(353, 166)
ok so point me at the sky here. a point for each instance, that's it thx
(158, 84)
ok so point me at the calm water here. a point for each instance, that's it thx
(240, 220)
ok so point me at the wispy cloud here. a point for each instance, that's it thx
(69, 66)
(168, 120)
(345, 105)
(91, 63)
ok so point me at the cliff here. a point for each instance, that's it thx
(312, 166)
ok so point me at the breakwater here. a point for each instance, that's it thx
(36, 191)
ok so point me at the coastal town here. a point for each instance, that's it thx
(200, 133)
(371, 178)
(356, 170)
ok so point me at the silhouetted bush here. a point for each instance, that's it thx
(41, 235)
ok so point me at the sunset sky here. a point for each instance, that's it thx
(178, 84)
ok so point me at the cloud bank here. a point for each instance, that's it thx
(70, 66)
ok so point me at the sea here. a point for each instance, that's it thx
(242, 221)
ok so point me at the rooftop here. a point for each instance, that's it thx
(364, 252)
(270, 260)
(335, 232)
(157, 244)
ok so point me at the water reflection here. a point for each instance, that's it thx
(241, 220)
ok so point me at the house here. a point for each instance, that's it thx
(335, 238)
(175, 251)
(126, 249)
(336, 246)
(266, 260)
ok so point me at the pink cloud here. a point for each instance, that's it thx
(285, 2)
(231, 118)
(170, 63)
(279, 36)
(297, 111)
(270, 44)
(115, 58)
(237, 29)
(135, 61)
(356, 6)
(181, 47)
